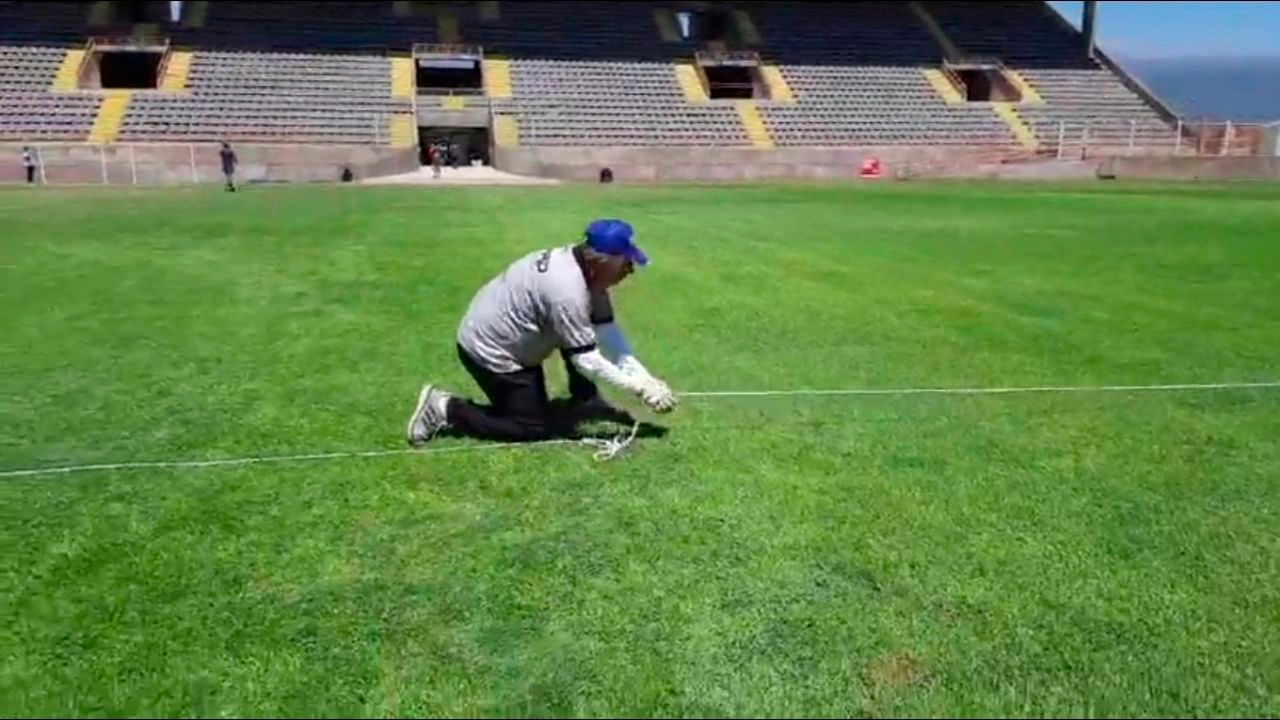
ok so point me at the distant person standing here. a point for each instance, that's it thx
(437, 158)
(29, 164)
(228, 165)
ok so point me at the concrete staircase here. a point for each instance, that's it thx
(106, 126)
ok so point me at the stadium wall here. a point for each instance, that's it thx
(689, 164)
(659, 164)
(1191, 168)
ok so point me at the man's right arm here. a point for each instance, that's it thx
(571, 322)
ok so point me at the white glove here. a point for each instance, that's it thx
(658, 396)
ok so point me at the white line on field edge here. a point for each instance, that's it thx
(607, 448)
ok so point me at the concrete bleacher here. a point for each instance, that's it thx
(854, 71)
(28, 111)
(272, 96)
(612, 103)
(28, 68)
(44, 116)
(1097, 102)
(863, 105)
(260, 90)
(33, 39)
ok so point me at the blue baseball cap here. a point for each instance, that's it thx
(613, 237)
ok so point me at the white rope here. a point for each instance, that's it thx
(268, 459)
(609, 448)
(981, 391)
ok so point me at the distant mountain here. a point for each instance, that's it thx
(1214, 88)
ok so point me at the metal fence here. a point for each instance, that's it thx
(68, 163)
(1068, 140)
(73, 163)
(126, 163)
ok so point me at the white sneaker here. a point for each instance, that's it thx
(429, 417)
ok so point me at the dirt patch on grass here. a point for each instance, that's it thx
(895, 670)
(886, 675)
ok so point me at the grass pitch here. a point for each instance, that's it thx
(939, 555)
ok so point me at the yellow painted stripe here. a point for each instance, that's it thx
(401, 77)
(100, 12)
(447, 26)
(403, 130)
(402, 8)
(506, 132)
(779, 90)
(691, 83)
(490, 11)
(948, 48)
(497, 78)
(749, 113)
(1016, 124)
(746, 27)
(176, 71)
(453, 103)
(67, 78)
(666, 23)
(106, 125)
(194, 14)
(946, 89)
(1026, 89)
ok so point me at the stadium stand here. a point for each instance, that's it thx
(1075, 89)
(562, 74)
(33, 43)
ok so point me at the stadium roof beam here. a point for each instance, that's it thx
(1086, 25)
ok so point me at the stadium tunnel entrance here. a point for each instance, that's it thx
(129, 70)
(982, 82)
(458, 146)
(732, 75)
(123, 64)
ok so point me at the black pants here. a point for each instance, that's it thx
(519, 410)
(31, 174)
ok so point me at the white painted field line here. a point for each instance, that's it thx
(608, 448)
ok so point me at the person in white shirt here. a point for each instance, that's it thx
(29, 164)
(547, 301)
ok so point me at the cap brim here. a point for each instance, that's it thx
(637, 256)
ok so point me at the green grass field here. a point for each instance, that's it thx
(1039, 554)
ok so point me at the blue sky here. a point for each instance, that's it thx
(1168, 29)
